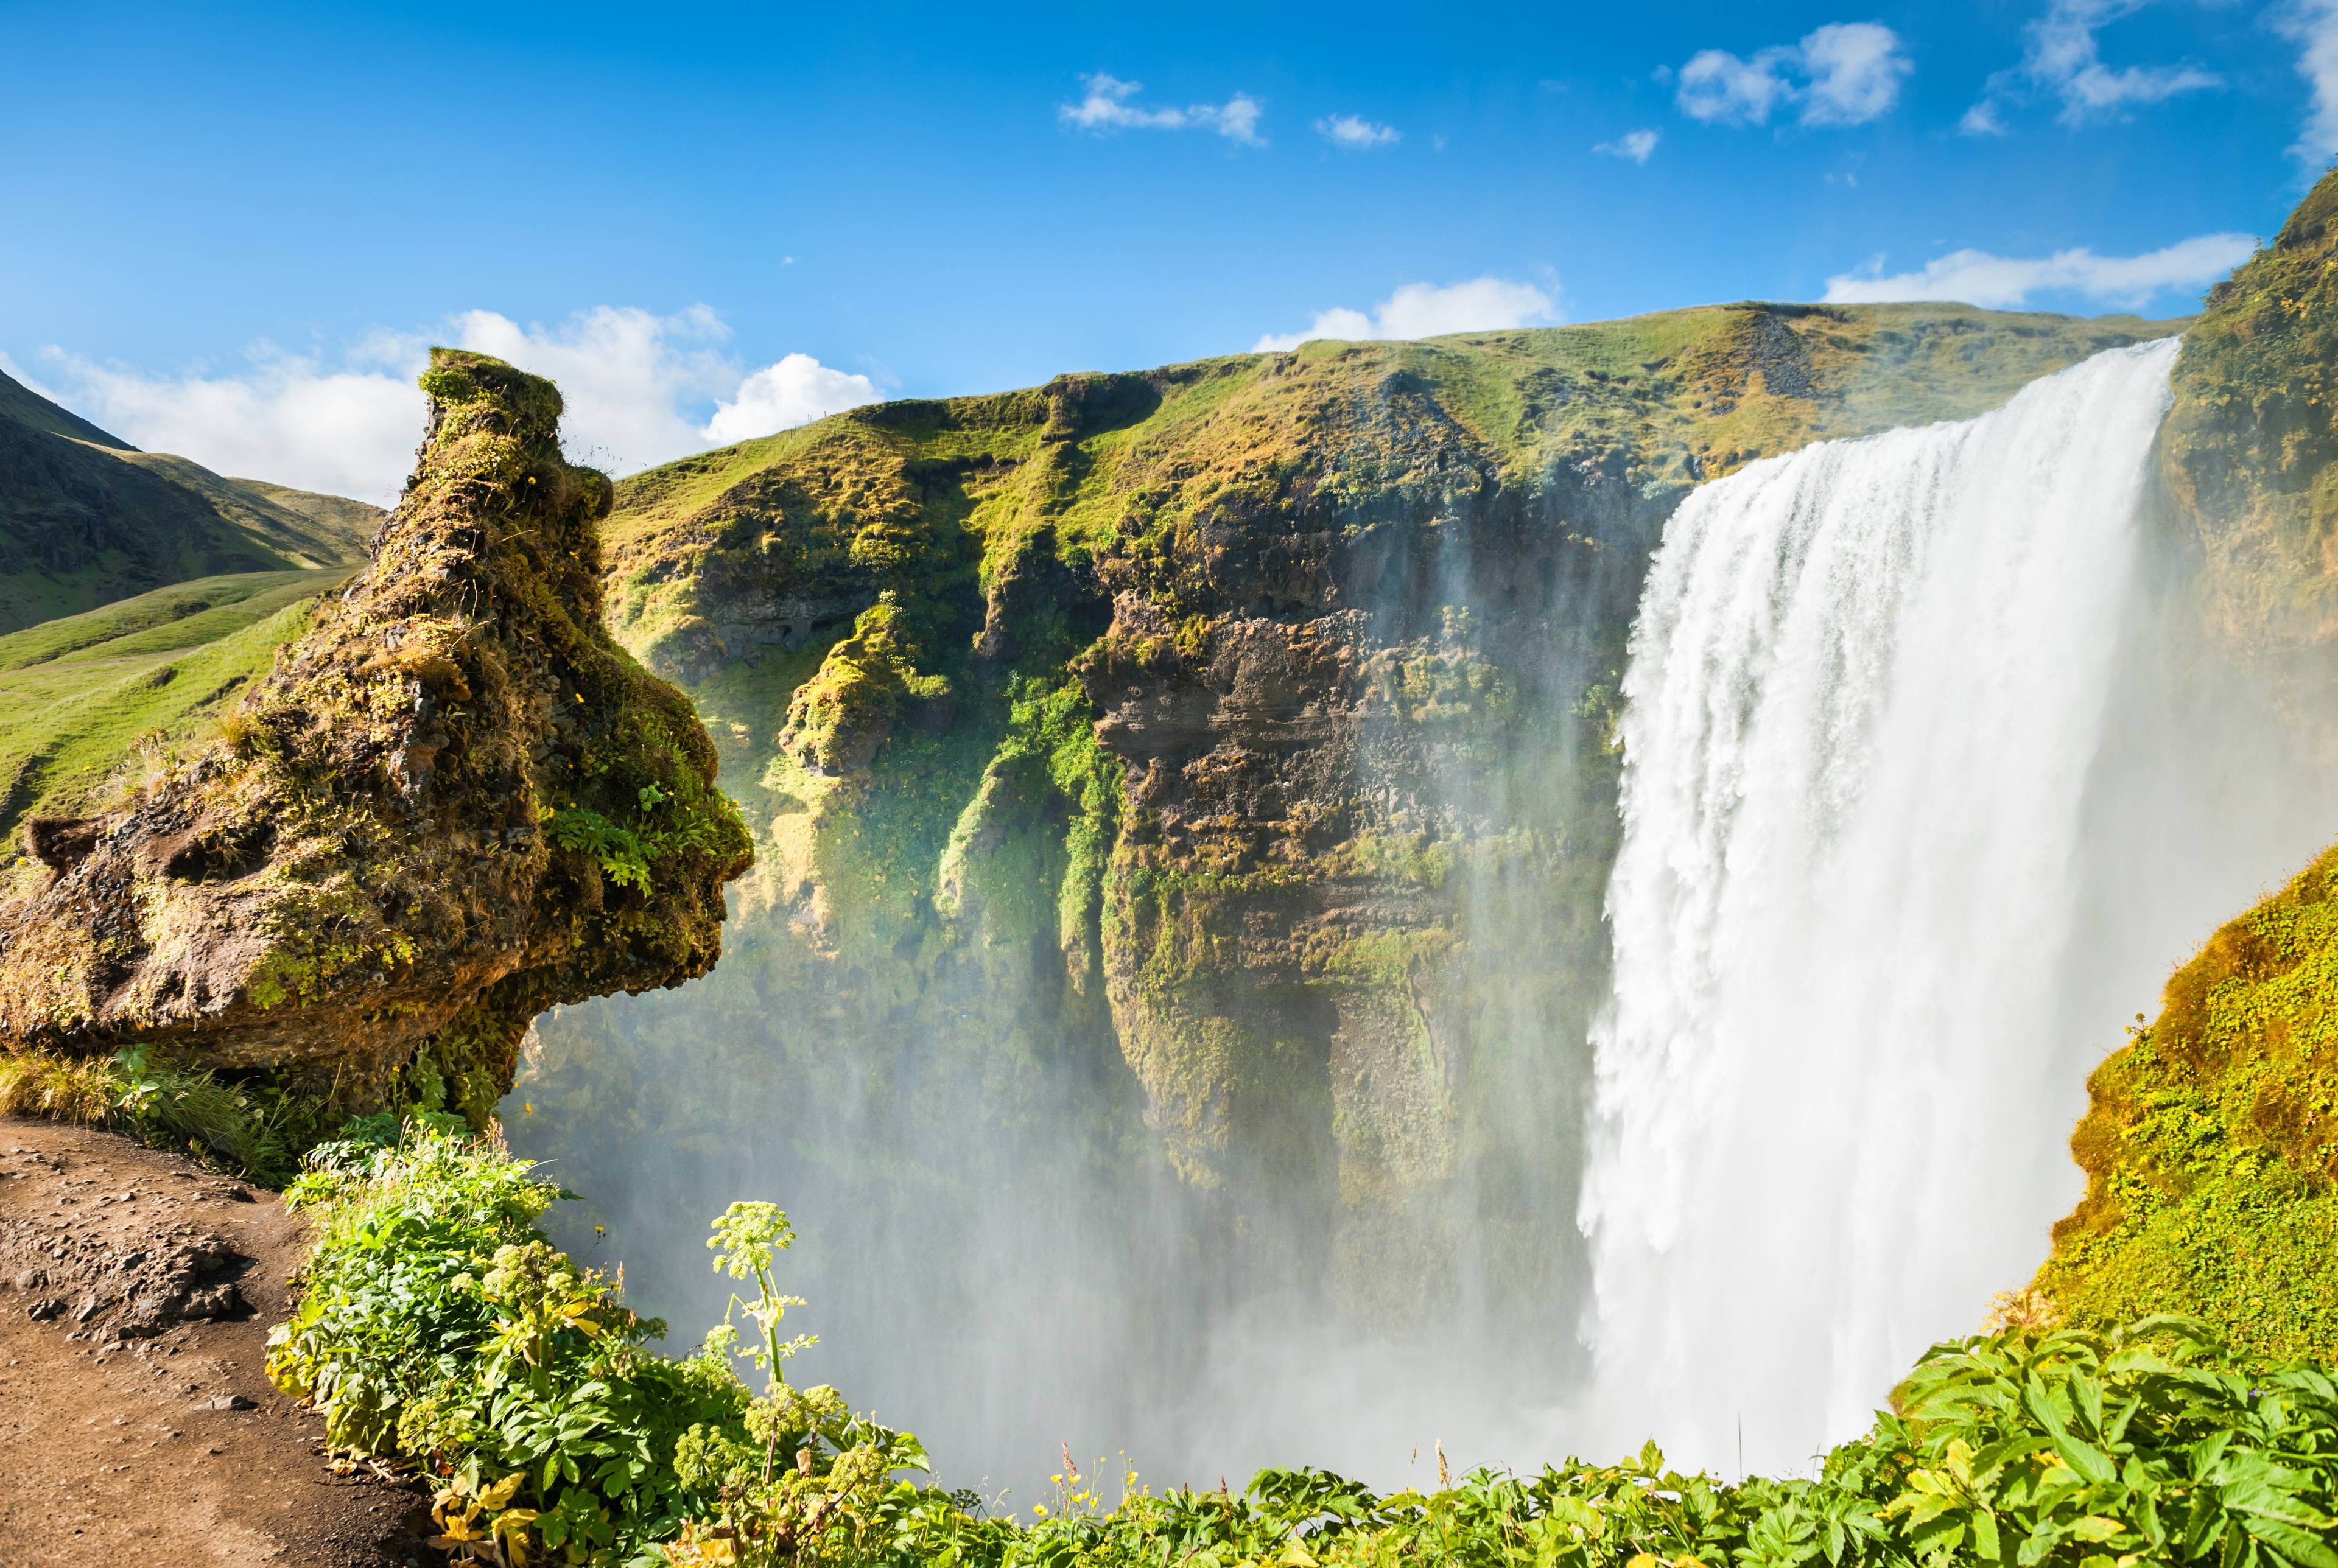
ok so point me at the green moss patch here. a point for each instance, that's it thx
(2211, 1146)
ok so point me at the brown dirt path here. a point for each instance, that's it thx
(137, 1425)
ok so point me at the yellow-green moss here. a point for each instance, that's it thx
(2211, 1148)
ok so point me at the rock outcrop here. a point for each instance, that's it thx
(452, 803)
(2251, 450)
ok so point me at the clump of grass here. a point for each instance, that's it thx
(251, 1134)
(80, 1092)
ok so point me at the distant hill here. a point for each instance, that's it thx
(86, 518)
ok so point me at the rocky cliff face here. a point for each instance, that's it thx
(450, 804)
(2252, 444)
(1230, 743)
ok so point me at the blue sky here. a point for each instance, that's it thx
(230, 228)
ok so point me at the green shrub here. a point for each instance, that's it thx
(438, 1326)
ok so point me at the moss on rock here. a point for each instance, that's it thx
(2252, 444)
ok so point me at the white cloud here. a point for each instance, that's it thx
(1855, 69)
(1425, 311)
(797, 390)
(1717, 86)
(1843, 73)
(1356, 133)
(1636, 145)
(1978, 278)
(286, 418)
(1983, 119)
(2313, 25)
(2064, 57)
(1109, 106)
(634, 384)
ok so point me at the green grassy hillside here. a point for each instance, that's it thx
(84, 694)
(86, 518)
(2211, 1149)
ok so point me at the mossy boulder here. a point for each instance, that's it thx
(451, 803)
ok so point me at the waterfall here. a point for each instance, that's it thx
(1868, 683)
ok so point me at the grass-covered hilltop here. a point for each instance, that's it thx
(443, 803)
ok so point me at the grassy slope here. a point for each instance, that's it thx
(85, 519)
(83, 694)
(23, 406)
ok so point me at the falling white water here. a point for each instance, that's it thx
(1867, 684)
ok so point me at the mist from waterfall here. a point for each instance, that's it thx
(1870, 683)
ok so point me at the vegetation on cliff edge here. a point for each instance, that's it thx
(2251, 448)
(439, 1329)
